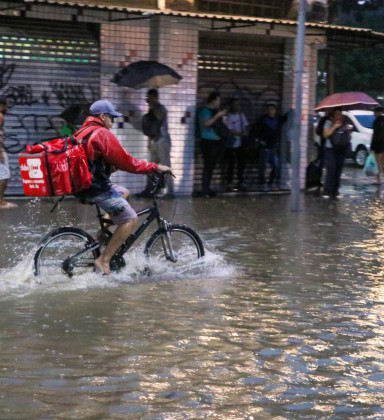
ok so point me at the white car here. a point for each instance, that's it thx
(362, 123)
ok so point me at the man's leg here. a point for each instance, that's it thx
(3, 187)
(119, 236)
(241, 162)
(113, 202)
(262, 165)
(5, 174)
(5, 204)
(205, 182)
(275, 164)
(153, 157)
(340, 158)
(211, 150)
(380, 164)
(230, 160)
(330, 166)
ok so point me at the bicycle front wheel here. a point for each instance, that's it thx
(179, 245)
(56, 249)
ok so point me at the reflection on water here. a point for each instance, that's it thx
(282, 319)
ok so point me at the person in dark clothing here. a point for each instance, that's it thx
(334, 157)
(321, 146)
(234, 155)
(208, 117)
(377, 143)
(269, 134)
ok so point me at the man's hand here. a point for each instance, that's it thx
(336, 125)
(163, 168)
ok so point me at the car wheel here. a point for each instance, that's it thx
(361, 156)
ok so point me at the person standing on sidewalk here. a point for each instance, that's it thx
(208, 117)
(155, 126)
(237, 123)
(5, 173)
(269, 135)
(377, 144)
(335, 151)
(321, 145)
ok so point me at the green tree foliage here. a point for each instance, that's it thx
(360, 70)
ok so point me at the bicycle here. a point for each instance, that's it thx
(74, 250)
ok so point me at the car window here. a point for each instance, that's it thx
(366, 120)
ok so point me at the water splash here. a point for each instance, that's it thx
(20, 280)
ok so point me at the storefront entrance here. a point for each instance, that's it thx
(45, 68)
(249, 68)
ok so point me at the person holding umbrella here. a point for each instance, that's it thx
(338, 137)
(155, 126)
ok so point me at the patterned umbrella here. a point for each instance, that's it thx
(144, 74)
(347, 100)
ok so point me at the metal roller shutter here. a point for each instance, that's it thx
(45, 67)
(249, 68)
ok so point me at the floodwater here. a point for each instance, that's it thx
(284, 317)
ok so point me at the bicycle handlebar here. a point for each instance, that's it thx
(158, 180)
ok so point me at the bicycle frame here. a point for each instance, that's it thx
(153, 213)
(92, 245)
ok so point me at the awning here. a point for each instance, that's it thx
(339, 38)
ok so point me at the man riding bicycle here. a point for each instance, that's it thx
(106, 155)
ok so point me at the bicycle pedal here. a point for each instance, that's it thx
(117, 263)
(146, 271)
(103, 236)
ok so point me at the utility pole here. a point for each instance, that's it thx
(295, 193)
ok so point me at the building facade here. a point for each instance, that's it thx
(56, 54)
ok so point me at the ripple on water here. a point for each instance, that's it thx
(20, 280)
(282, 319)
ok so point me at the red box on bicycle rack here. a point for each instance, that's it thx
(34, 174)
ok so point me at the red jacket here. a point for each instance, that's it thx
(101, 143)
(105, 155)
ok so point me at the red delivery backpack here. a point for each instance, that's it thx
(56, 167)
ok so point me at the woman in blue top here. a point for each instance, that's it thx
(210, 140)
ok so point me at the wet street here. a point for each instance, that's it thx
(283, 318)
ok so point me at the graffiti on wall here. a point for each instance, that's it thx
(68, 94)
(25, 127)
(30, 128)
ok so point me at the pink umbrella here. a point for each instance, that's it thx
(347, 100)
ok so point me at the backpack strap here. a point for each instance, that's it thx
(84, 132)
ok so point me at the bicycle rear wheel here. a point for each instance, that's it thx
(57, 246)
(182, 246)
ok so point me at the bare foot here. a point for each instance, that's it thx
(101, 266)
(7, 205)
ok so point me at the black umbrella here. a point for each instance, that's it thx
(74, 114)
(143, 74)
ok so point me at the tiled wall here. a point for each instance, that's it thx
(176, 46)
(120, 45)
